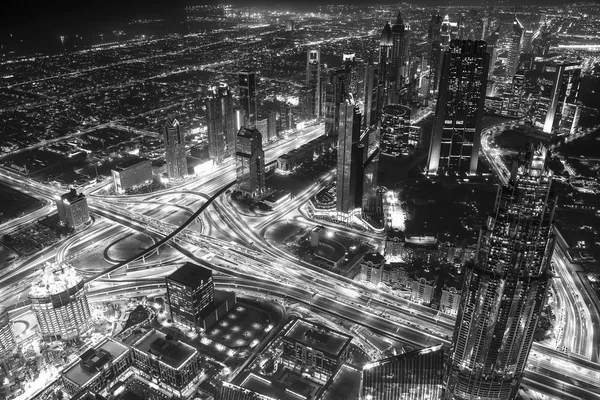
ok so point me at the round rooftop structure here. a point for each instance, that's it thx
(375, 258)
(386, 36)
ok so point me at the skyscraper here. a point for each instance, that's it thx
(492, 49)
(370, 95)
(250, 162)
(400, 56)
(313, 81)
(385, 67)
(434, 39)
(190, 292)
(395, 121)
(73, 210)
(335, 94)
(514, 47)
(220, 122)
(349, 162)
(456, 132)
(174, 148)
(59, 302)
(416, 375)
(247, 87)
(7, 337)
(505, 290)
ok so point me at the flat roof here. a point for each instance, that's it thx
(317, 336)
(130, 162)
(345, 384)
(80, 376)
(291, 386)
(171, 352)
(191, 275)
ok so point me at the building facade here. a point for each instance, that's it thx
(59, 302)
(73, 210)
(313, 82)
(175, 155)
(131, 174)
(349, 162)
(247, 88)
(506, 288)
(395, 138)
(190, 292)
(514, 47)
(7, 338)
(250, 162)
(416, 375)
(456, 132)
(220, 122)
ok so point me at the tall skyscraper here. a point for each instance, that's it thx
(385, 67)
(73, 210)
(349, 162)
(220, 122)
(492, 48)
(335, 94)
(370, 95)
(247, 87)
(514, 47)
(400, 52)
(505, 290)
(456, 132)
(7, 338)
(59, 302)
(250, 162)
(313, 81)
(174, 148)
(190, 292)
(395, 121)
(434, 39)
(416, 375)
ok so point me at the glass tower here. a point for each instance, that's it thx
(175, 149)
(505, 290)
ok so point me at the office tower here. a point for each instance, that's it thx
(385, 66)
(250, 162)
(220, 122)
(456, 132)
(7, 338)
(247, 87)
(349, 162)
(174, 148)
(370, 95)
(355, 72)
(505, 290)
(59, 302)
(557, 109)
(190, 292)
(400, 47)
(416, 375)
(73, 210)
(446, 31)
(527, 41)
(434, 40)
(395, 121)
(462, 29)
(289, 25)
(492, 49)
(271, 125)
(335, 94)
(313, 81)
(514, 47)
(541, 44)
(131, 174)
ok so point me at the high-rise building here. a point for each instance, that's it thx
(174, 148)
(456, 132)
(289, 25)
(527, 40)
(370, 95)
(385, 68)
(220, 122)
(492, 49)
(395, 122)
(416, 375)
(247, 87)
(349, 162)
(335, 93)
(505, 289)
(250, 162)
(434, 39)
(7, 337)
(558, 109)
(73, 210)
(313, 81)
(399, 69)
(131, 174)
(191, 295)
(514, 47)
(59, 302)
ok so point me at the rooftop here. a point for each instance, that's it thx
(80, 373)
(56, 278)
(375, 258)
(170, 351)
(290, 386)
(191, 275)
(345, 384)
(129, 162)
(406, 356)
(318, 337)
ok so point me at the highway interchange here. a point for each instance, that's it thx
(234, 246)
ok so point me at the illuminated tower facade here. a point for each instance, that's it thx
(385, 67)
(370, 95)
(174, 148)
(395, 122)
(60, 304)
(349, 162)
(73, 210)
(335, 94)
(220, 122)
(250, 162)
(514, 47)
(434, 39)
(400, 52)
(247, 87)
(456, 133)
(7, 337)
(505, 290)
(313, 81)
(492, 49)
